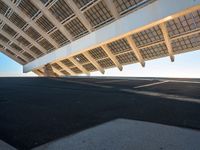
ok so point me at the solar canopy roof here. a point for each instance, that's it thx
(31, 29)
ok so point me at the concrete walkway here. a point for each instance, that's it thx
(5, 146)
(123, 134)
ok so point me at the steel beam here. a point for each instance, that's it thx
(66, 68)
(57, 72)
(49, 71)
(112, 57)
(93, 61)
(135, 50)
(38, 73)
(78, 65)
(167, 40)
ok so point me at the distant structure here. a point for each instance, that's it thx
(71, 37)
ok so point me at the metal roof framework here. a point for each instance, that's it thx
(30, 29)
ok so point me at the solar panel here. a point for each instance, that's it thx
(106, 63)
(33, 33)
(155, 51)
(23, 41)
(184, 24)
(3, 38)
(36, 50)
(9, 30)
(67, 62)
(65, 72)
(76, 70)
(44, 23)
(89, 67)
(76, 28)
(98, 14)
(3, 8)
(11, 53)
(61, 10)
(186, 43)
(148, 36)
(21, 59)
(119, 46)
(82, 3)
(98, 53)
(59, 38)
(58, 67)
(46, 45)
(126, 58)
(17, 20)
(28, 8)
(81, 58)
(124, 6)
(27, 55)
(16, 47)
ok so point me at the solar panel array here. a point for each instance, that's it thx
(96, 12)
(151, 43)
(23, 42)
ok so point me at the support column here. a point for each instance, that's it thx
(48, 71)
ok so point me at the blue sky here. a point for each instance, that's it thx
(9, 67)
(185, 65)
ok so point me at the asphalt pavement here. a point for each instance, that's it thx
(34, 111)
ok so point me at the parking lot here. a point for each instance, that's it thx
(34, 111)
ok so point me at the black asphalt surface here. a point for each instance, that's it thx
(34, 111)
